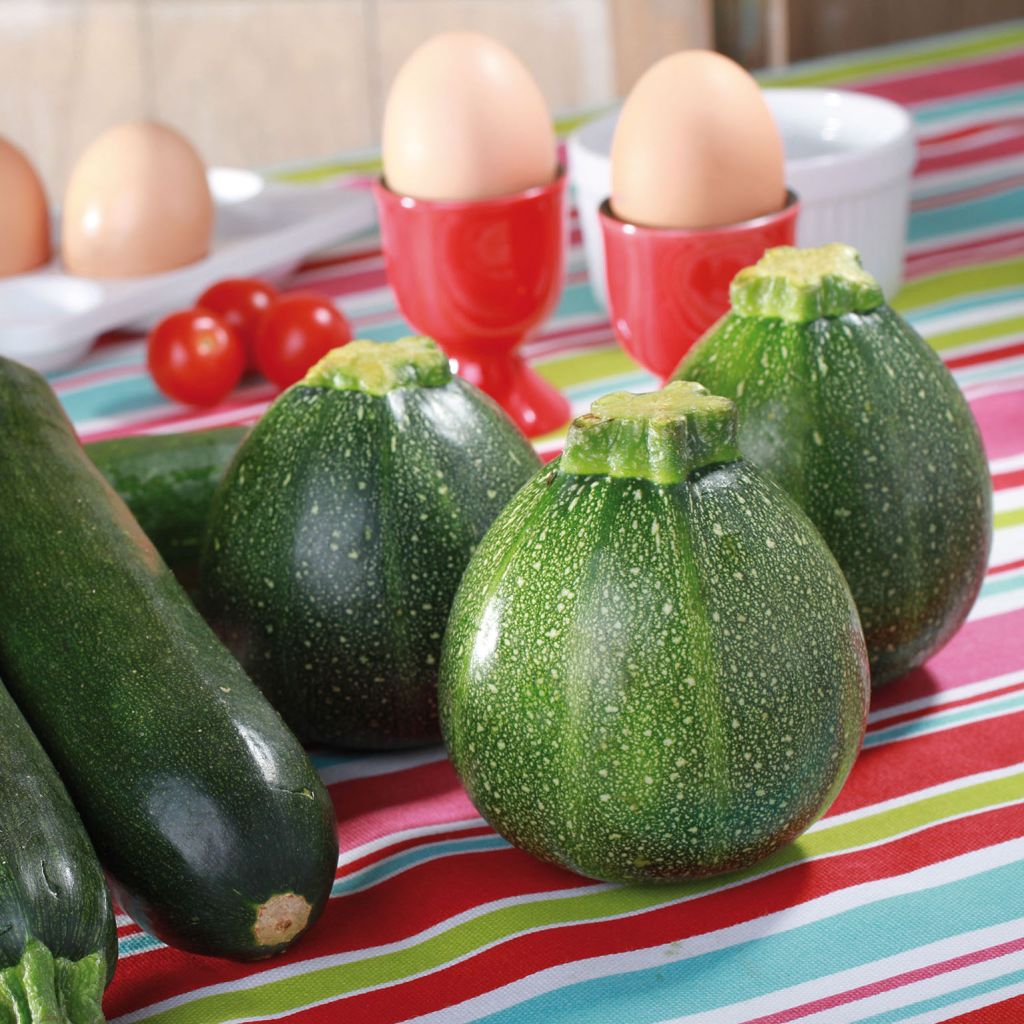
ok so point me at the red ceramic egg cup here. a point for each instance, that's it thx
(667, 286)
(478, 276)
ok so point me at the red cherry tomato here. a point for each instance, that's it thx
(241, 303)
(296, 332)
(195, 357)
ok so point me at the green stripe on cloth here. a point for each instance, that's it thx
(466, 937)
(1012, 517)
(979, 332)
(949, 284)
(901, 58)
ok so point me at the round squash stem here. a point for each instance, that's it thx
(801, 285)
(662, 436)
(377, 367)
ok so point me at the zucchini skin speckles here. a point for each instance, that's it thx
(337, 540)
(859, 420)
(649, 683)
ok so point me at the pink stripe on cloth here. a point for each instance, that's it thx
(380, 805)
(954, 80)
(888, 984)
(983, 649)
(1001, 420)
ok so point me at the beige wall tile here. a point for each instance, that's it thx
(57, 87)
(256, 82)
(647, 30)
(566, 43)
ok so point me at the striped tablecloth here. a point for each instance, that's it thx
(905, 903)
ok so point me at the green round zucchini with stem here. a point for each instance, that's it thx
(653, 668)
(341, 530)
(216, 830)
(58, 943)
(168, 481)
(852, 412)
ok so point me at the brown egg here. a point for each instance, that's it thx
(466, 120)
(696, 146)
(137, 203)
(24, 215)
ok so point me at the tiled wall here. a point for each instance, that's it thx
(263, 82)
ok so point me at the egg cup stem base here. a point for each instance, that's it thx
(536, 406)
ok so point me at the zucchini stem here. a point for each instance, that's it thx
(801, 285)
(662, 436)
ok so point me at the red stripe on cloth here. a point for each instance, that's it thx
(1003, 481)
(894, 770)
(990, 355)
(522, 955)
(969, 131)
(1010, 1011)
(967, 156)
(1007, 566)
(888, 984)
(910, 716)
(953, 80)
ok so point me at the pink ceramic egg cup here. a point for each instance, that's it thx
(479, 276)
(667, 286)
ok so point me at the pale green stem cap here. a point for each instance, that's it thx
(662, 436)
(377, 367)
(801, 285)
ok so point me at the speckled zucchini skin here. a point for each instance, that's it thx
(168, 481)
(52, 889)
(648, 683)
(200, 803)
(337, 540)
(859, 420)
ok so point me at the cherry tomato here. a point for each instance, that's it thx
(241, 303)
(296, 332)
(195, 357)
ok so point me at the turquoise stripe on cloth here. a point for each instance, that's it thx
(709, 981)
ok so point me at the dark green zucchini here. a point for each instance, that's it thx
(206, 812)
(168, 480)
(847, 407)
(58, 944)
(340, 532)
(653, 668)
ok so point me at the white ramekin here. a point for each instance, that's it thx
(849, 158)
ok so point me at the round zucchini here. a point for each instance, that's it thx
(340, 532)
(168, 480)
(58, 943)
(217, 832)
(653, 668)
(845, 405)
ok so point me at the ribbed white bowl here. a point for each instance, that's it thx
(849, 158)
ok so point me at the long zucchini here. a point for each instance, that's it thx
(168, 480)
(217, 832)
(58, 944)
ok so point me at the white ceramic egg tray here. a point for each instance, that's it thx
(49, 318)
